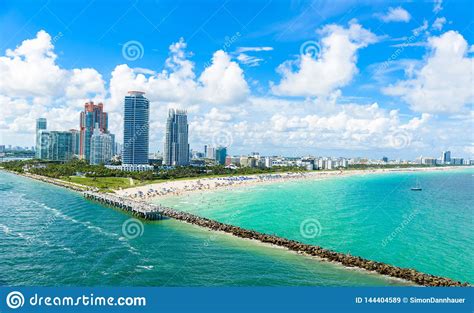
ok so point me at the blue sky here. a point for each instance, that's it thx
(380, 83)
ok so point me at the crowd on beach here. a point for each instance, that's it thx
(180, 187)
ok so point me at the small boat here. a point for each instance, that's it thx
(417, 187)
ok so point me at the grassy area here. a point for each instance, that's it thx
(106, 183)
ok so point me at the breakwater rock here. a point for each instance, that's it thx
(292, 245)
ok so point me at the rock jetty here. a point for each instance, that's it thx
(292, 245)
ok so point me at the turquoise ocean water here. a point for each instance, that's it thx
(50, 236)
(375, 216)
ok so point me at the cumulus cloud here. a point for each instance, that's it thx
(31, 69)
(223, 81)
(85, 82)
(32, 84)
(397, 14)
(444, 82)
(439, 23)
(219, 100)
(349, 127)
(334, 67)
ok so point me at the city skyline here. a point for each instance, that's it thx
(256, 86)
(176, 150)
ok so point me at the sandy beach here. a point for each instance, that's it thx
(179, 187)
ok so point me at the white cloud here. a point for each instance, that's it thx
(444, 83)
(85, 82)
(218, 115)
(32, 84)
(409, 44)
(30, 69)
(350, 127)
(223, 81)
(244, 58)
(249, 60)
(218, 99)
(333, 68)
(439, 23)
(437, 6)
(397, 14)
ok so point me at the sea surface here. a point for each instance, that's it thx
(375, 216)
(50, 236)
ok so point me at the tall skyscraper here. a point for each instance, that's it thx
(91, 115)
(102, 146)
(176, 150)
(221, 154)
(135, 129)
(41, 124)
(60, 147)
(76, 141)
(55, 145)
(446, 157)
(211, 153)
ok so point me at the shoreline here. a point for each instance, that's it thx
(321, 254)
(155, 191)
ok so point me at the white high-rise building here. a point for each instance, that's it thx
(321, 164)
(446, 157)
(268, 162)
(176, 150)
(101, 147)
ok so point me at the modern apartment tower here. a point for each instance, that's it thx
(76, 141)
(221, 154)
(60, 146)
(41, 124)
(93, 114)
(135, 129)
(446, 157)
(55, 145)
(176, 150)
(102, 146)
